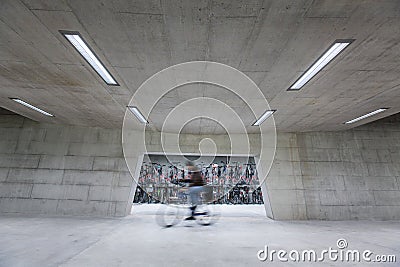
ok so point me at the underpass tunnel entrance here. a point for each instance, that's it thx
(233, 181)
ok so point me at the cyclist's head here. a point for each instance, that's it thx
(191, 167)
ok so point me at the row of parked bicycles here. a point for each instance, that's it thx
(238, 195)
(225, 183)
(215, 173)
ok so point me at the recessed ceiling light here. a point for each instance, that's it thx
(366, 115)
(31, 106)
(334, 50)
(266, 114)
(81, 46)
(138, 114)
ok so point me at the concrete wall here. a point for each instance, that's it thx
(66, 170)
(343, 175)
(284, 186)
(189, 143)
(62, 170)
(353, 174)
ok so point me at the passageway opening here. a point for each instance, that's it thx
(233, 179)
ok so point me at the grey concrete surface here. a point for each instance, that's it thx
(70, 170)
(72, 164)
(340, 175)
(64, 170)
(138, 241)
(273, 42)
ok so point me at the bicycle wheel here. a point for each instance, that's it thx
(168, 215)
(206, 214)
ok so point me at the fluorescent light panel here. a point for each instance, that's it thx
(31, 106)
(335, 49)
(366, 115)
(266, 115)
(138, 114)
(80, 45)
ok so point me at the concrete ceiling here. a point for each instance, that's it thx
(4, 111)
(273, 42)
(175, 97)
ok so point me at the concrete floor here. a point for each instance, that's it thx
(138, 241)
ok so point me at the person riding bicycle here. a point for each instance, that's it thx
(196, 185)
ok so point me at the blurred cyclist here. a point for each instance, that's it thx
(196, 184)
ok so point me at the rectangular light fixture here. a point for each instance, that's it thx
(31, 106)
(334, 50)
(266, 115)
(81, 46)
(366, 115)
(138, 114)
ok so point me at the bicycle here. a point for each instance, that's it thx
(173, 212)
